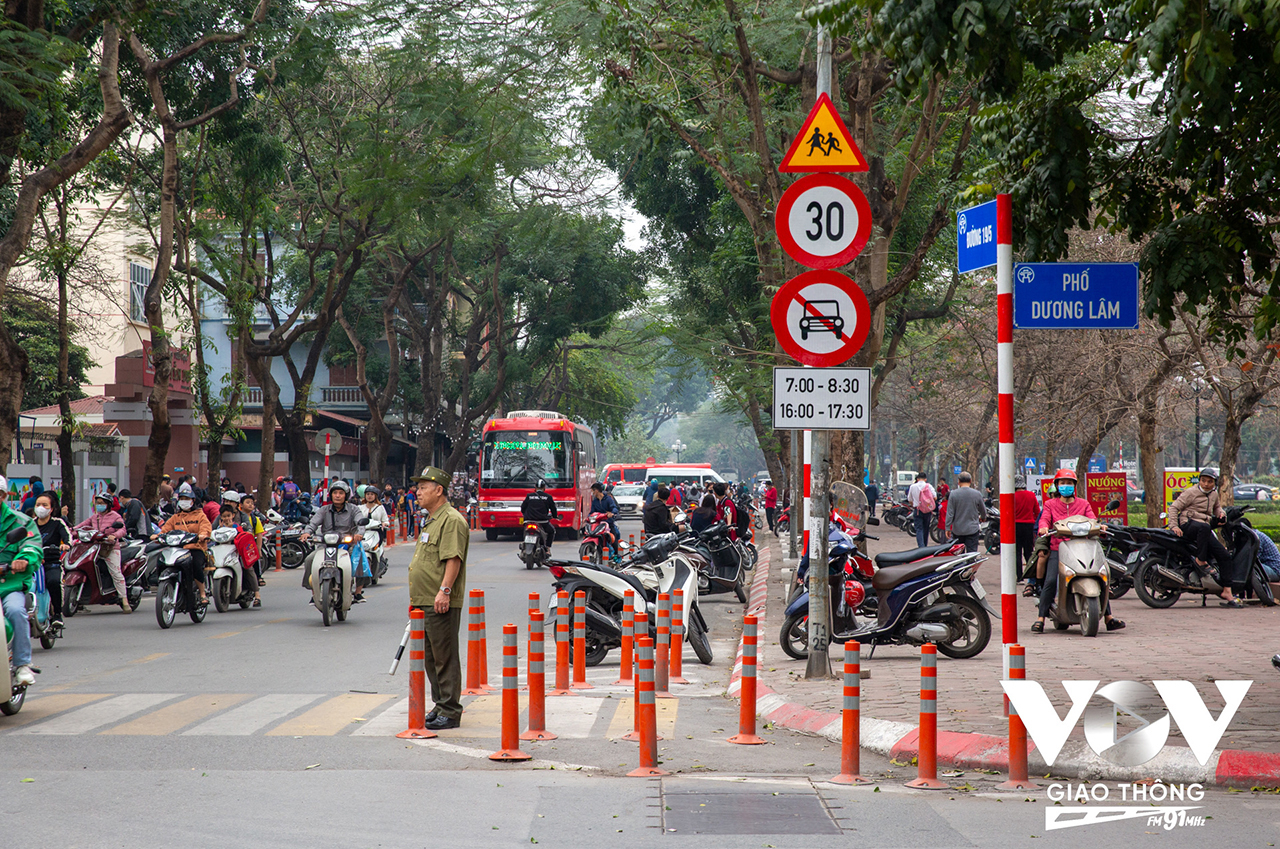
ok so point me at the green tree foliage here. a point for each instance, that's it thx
(33, 324)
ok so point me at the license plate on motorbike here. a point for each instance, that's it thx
(530, 539)
(977, 588)
(1132, 558)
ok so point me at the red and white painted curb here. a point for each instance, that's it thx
(966, 750)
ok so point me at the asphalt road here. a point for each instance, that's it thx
(263, 728)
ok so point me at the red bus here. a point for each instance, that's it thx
(531, 445)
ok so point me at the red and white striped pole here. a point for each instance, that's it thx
(1004, 406)
(804, 517)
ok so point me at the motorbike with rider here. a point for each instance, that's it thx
(539, 509)
(339, 516)
(21, 554)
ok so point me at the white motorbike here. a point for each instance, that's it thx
(171, 597)
(333, 578)
(375, 551)
(233, 582)
(1083, 575)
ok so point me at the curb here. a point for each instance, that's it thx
(968, 750)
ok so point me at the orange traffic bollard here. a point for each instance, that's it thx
(641, 627)
(417, 677)
(927, 756)
(646, 714)
(474, 626)
(851, 716)
(1018, 779)
(279, 553)
(662, 662)
(628, 637)
(580, 642)
(562, 646)
(677, 639)
(537, 678)
(747, 695)
(484, 646)
(391, 534)
(510, 750)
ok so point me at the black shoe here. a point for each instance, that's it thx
(431, 715)
(1275, 660)
(442, 722)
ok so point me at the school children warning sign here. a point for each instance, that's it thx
(823, 143)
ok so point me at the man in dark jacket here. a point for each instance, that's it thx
(541, 508)
(657, 516)
(136, 523)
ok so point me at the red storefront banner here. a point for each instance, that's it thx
(1103, 487)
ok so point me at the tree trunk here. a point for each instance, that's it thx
(378, 440)
(1149, 460)
(294, 426)
(261, 368)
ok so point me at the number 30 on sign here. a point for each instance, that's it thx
(823, 221)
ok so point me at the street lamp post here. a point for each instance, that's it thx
(677, 447)
(1196, 384)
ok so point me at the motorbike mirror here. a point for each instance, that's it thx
(1164, 515)
(362, 521)
(1113, 504)
(117, 525)
(873, 520)
(16, 535)
(680, 518)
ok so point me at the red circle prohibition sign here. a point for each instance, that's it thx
(821, 318)
(823, 221)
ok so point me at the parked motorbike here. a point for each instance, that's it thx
(1083, 575)
(1122, 547)
(294, 551)
(1168, 567)
(233, 581)
(938, 599)
(332, 581)
(85, 578)
(376, 551)
(655, 567)
(172, 597)
(900, 516)
(598, 540)
(782, 524)
(536, 546)
(991, 529)
(720, 562)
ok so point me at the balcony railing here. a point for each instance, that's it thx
(341, 395)
(253, 396)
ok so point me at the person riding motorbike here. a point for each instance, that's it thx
(192, 520)
(21, 558)
(540, 508)
(55, 538)
(102, 519)
(289, 493)
(603, 502)
(1056, 509)
(371, 508)
(1190, 517)
(338, 516)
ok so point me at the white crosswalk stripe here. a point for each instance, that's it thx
(248, 718)
(390, 722)
(90, 717)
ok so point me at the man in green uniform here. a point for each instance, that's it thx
(437, 585)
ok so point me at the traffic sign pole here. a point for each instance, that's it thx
(1004, 380)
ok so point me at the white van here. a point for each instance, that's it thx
(903, 483)
(679, 474)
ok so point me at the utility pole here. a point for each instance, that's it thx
(819, 663)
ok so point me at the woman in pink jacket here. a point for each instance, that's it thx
(103, 518)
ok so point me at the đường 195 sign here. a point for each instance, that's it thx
(822, 399)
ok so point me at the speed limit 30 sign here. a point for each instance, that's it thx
(822, 399)
(823, 221)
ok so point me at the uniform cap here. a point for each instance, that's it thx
(434, 475)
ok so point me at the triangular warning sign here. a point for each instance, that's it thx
(823, 143)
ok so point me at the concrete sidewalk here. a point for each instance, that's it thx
(1184, 642)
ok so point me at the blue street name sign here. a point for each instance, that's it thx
(955, 470)
(1075, 295)
(976, 237)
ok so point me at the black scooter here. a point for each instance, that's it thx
(1168, 567)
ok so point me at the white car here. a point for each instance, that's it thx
(630, 498)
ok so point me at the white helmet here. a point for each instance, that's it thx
(232, 496)
(342, 485)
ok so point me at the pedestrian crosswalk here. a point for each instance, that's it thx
(605, 712)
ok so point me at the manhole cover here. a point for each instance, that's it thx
(746, 811)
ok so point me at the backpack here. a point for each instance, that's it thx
(928, 501)
(289, 490)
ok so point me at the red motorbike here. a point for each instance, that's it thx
(85, 578)
(598, 540)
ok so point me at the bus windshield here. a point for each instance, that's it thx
(519, 458)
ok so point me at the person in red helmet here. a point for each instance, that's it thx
(1056, 509)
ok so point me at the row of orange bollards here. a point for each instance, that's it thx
(650, 676)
